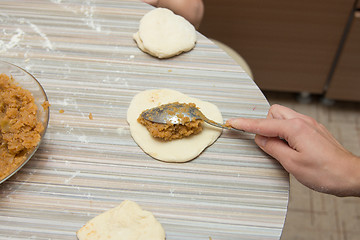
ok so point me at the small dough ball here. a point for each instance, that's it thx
(164, 34)
(179, 150)
(124, 222)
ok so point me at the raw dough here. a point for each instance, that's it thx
(164, 34)
(180, 150)
(124, 222)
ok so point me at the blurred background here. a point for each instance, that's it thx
(304, 55)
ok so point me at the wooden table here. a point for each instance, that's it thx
(83, 54)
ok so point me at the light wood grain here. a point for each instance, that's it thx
(84, 56)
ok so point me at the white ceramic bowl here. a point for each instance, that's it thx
(29, 82)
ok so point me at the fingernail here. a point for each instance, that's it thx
(233, 120)
(261, 140)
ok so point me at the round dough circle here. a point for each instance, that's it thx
(164, 34)
(124, 222)
(180, 150)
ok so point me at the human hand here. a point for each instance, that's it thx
(151, 2)
(306, 149)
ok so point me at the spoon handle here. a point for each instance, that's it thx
(224, 126)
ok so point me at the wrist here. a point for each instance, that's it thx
(345, 177)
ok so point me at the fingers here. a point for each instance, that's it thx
(191, 10)
(281, 112)
(296, 132)
(267, 138)
(151, 2)
(264, 127)
(278, 149)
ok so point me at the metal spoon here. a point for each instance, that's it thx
(175, 112)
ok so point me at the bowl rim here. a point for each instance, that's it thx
(47, 117)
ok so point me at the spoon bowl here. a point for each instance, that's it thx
(179, 113)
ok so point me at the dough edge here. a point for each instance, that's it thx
(157, 49)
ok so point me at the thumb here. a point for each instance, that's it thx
(276, 148)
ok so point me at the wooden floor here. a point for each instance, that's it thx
(312, 215)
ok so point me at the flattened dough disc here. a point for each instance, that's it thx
(124, 222)
(164, 34)
(180, 150)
